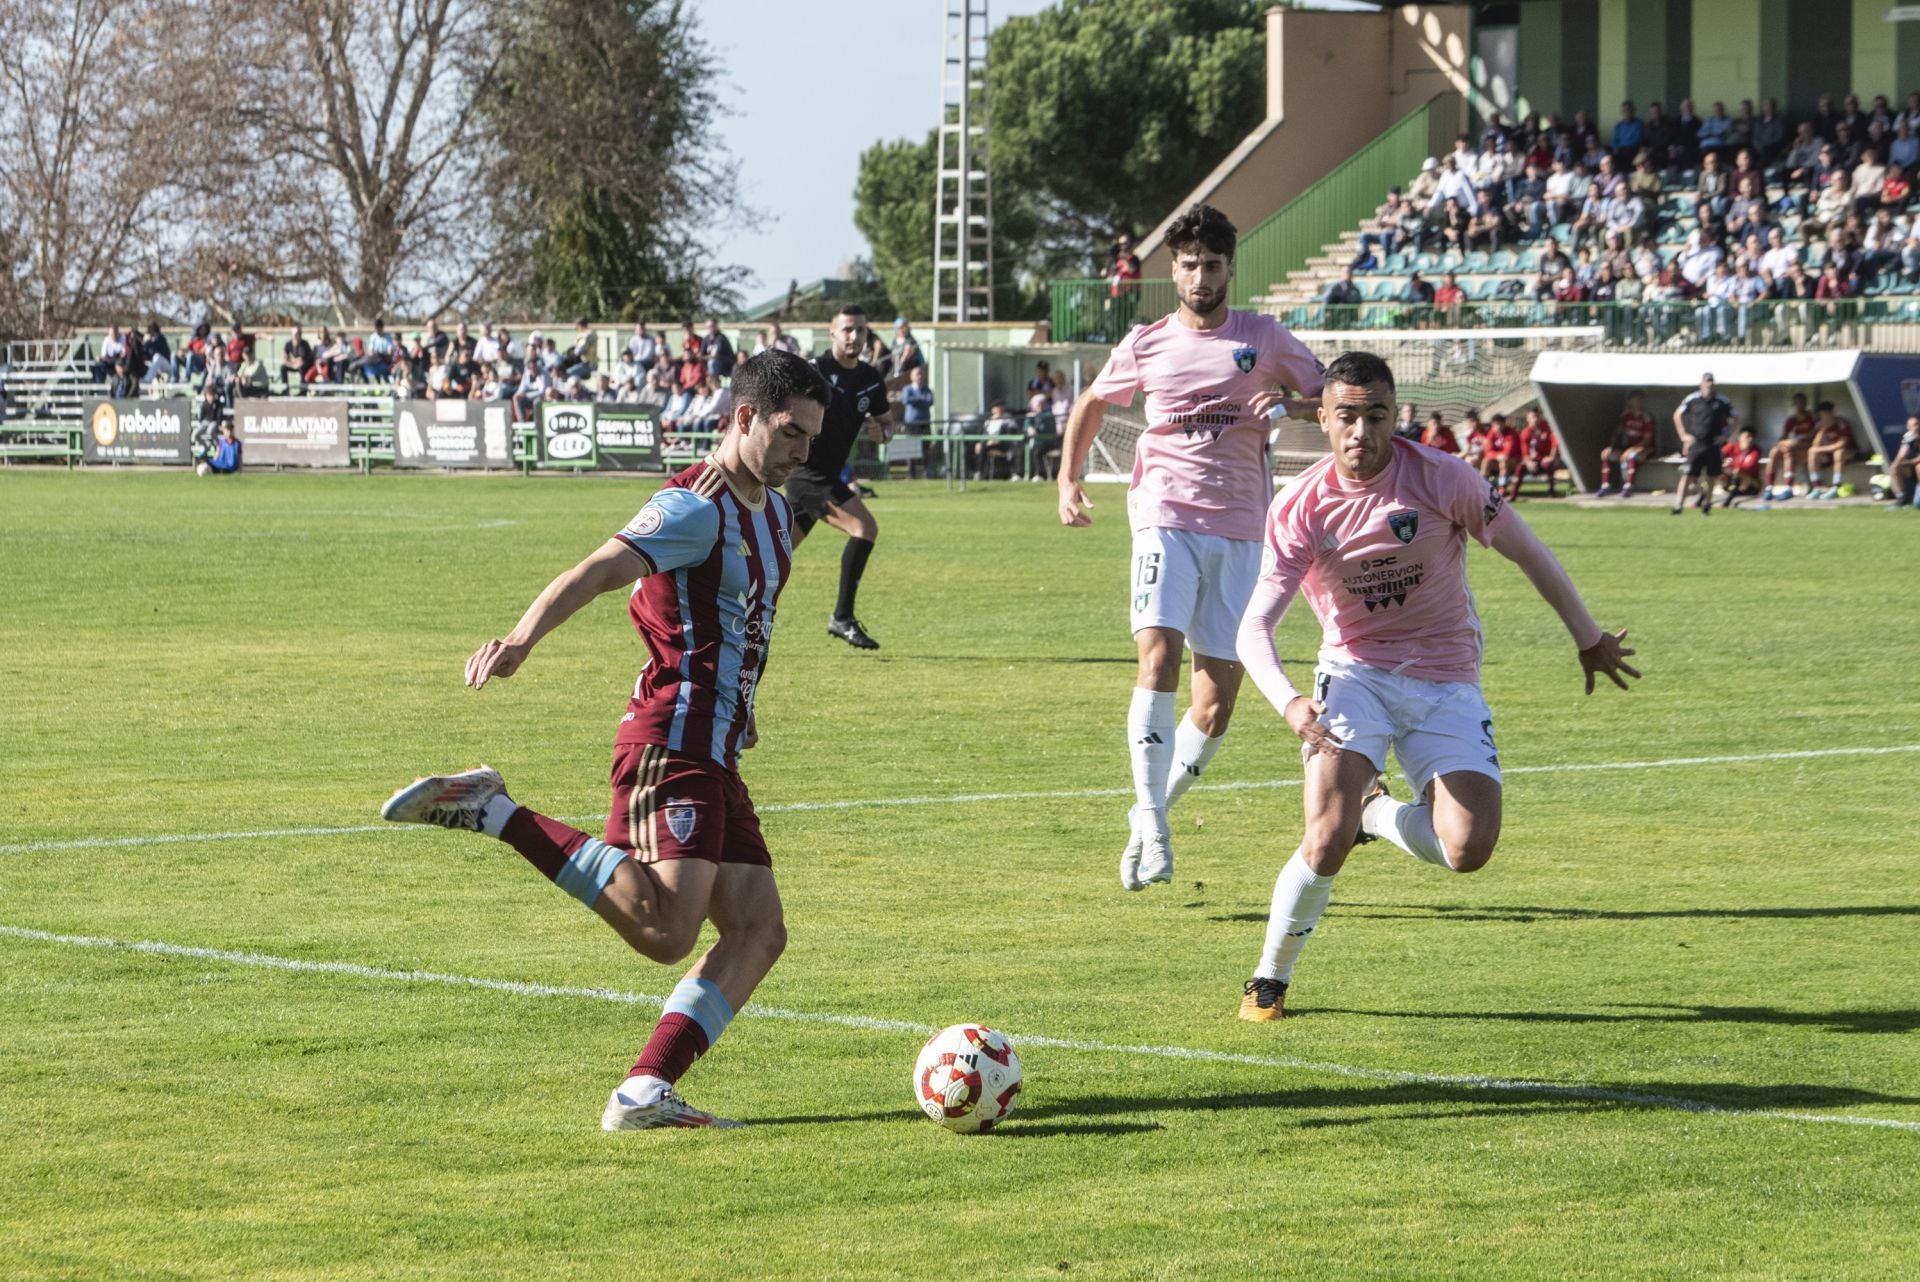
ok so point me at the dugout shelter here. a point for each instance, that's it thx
(1583, 394)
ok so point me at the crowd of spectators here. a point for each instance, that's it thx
(1821, 209)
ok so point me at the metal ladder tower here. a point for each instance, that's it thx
(963, 191)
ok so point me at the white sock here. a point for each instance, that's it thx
(1150, 743)
(1192, 751)
(643, 1088)
(494, 815)
(1408, 827)
(1299, 897)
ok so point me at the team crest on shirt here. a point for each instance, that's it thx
(649, 521)
(1246, 358)
(1404, 525)
(862, 404)
(680, 820)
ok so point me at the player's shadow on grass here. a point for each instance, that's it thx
(1359, 1104)
(1838, 1021)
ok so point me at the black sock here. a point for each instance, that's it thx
(1907, 490)
(853, 564)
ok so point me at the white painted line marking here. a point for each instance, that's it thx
(962, 798)
(868, 1023)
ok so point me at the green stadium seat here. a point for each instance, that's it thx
(1475, 262)
(1426, 262)
(1504, 260)
(1396, 262)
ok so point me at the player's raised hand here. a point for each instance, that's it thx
(496, 658)
(1608, 657)
(1072, 500)
(1303, 714)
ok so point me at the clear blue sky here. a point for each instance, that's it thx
(812, 86)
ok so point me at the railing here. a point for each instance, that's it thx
(1092, 311)
(1303, 227)
(1885, 324)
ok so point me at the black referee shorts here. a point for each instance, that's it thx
(810, 495)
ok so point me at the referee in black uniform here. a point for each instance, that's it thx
(815, 489)
(1703, 420)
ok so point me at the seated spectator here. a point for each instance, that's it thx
(1906, 466)
(1438, 436)
(1449, 297)
(718, 350)
(113, 350)
(1625, 215)
(1385, 228)
(1043, 435)
(1846, 146)
(1484, 227)
(225, 458)
(1832, 449)
(1904, 149)
(916, 401)
(1660, 138)
(486, 348)
(1745, 171)
(1896, 190)
(690, 344)
(1880, 245)
(1418, 291)
(1420, 193)
(1002, 432)
(642, 347)
(1716, 132)
(1686, 152)
(663, 380)
(1526, 209)
(1747, 213)
(1769, 133)
(1712, 184)
(296, 359)
(1779, 255)
(1910, 254)
(193, 357)
(907, 353)
(159, 355)
(1740, 467)
(436, 375)
(1629, 135)
(1697, 261)
(1798, 164)
(406, 381)
(577, 359)
(1568, 289)
(373, 364)
(239, 343)
(252, 379)
(1455, 186)
(876, 353)
(1342, 294)
(1869, 177)
(1454, 223)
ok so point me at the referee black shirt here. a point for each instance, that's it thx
(1706, 418)
(858, 393)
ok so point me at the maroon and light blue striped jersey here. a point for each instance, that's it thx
(716, 564)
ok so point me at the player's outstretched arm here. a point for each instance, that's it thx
(1083, 424)
(1255, 648)
(612, 565)
(1601, 652)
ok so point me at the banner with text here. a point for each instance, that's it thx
(566, 434)
(299, 432)
(471, 434)
(609, 437)
(158, 431)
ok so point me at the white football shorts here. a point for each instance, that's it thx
(1196, 584)
(1434, 727)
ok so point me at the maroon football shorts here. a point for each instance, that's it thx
(667, 806)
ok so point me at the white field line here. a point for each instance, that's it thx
(963, 798)
(867, 1023)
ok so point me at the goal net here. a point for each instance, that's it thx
(1449, 370)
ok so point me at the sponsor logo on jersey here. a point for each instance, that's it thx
(1246, 358)
(681, 819)
(1404, 525)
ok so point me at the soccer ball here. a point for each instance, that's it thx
(203, 469)
(967, 1078)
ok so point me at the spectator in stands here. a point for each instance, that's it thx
(1779, 255)
(1896, 190)
(1716, 132)
(1567, 287)
(663, 380)
(113, 348)
(1454, 222)
(1659, 137)
(1438, 436)
(1686, 126)
(1455, 185)
(1832, 448)
(1836, 199)
(372, 365)
(1745, 171)
(1448, 298)
(436, 375)
(907, 355)
(158, 353)
(1420, 193)
(1405, 424)
(578, 358)
(1526, 208)
(1804, 159)
(1418, 292)
(690, 344)
(1846, 146)
(1697, 261)
(1629, 135)
(1747, 213)
(1869, 179)
(1904, 148)
(1484, 227)
(193, 357)
(296, 359)
(1880, 246)
(252, 378)
(1386, 226)
(1042, 432)
(1769, 133)
(916, 401)
(1625, 214)
(535, 383)
(642, 347)
(718, 349)
(1001, 432)
(1711, 185)
(1851, 116)
(1341, 298)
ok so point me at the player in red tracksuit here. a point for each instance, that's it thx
(1633, 442)
(1473, 442)
(1500, 463)
(1438, 436)
(1796, 436)
(1742, 467)
(1539, 453)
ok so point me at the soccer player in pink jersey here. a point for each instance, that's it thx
(1201, 482)
(1376, 537)
(710, 552)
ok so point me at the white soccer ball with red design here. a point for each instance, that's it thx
(967, 1078)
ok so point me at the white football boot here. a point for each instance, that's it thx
(447, 801)
(625, 1113)
(1156, 853)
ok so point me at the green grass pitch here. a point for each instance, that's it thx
(275, 654)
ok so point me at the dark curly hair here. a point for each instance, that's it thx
(1204, 227)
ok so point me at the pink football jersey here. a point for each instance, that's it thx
(1202, 464)
(1383, 561)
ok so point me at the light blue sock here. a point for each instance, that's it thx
(588, 869)
(701, 1001)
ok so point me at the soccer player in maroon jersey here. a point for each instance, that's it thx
(1500, 464)
(1632, 443)
(711, 551)
(1539, 453)
(1438, 436)
(1796, 435)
